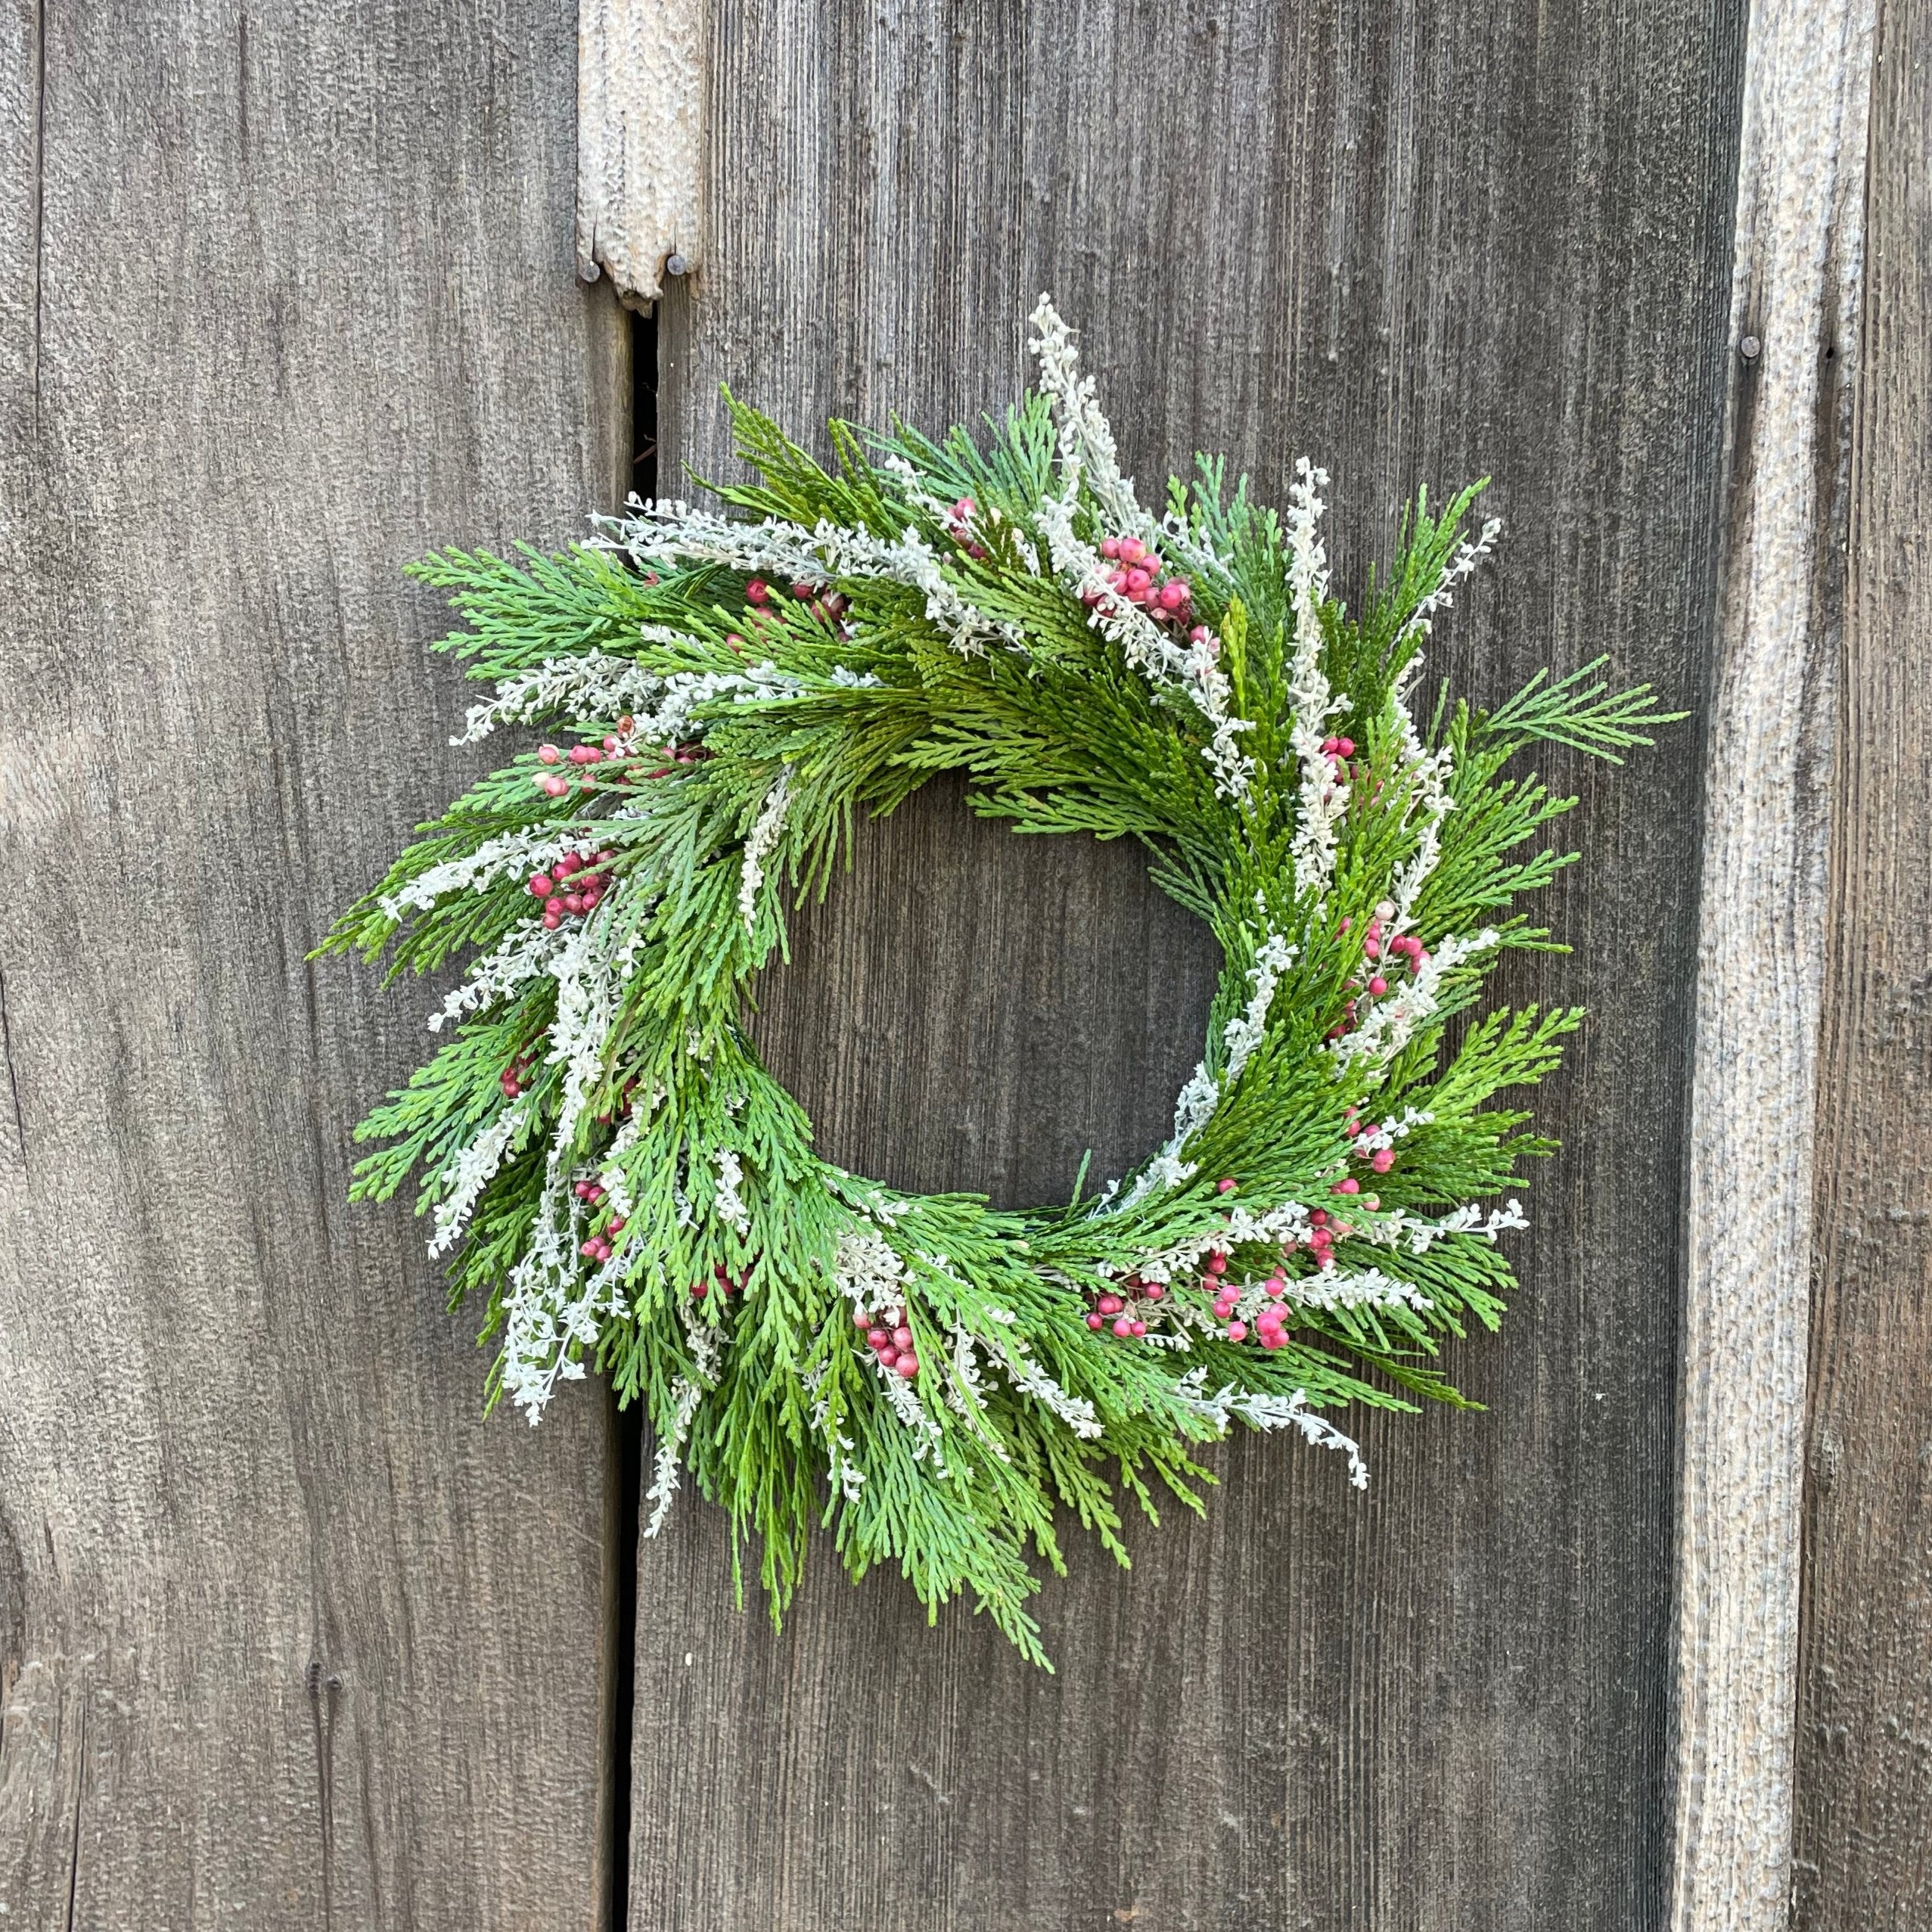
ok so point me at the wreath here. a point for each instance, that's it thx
(629, 1189)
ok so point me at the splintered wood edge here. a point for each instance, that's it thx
(1761, 948)
(639, 131)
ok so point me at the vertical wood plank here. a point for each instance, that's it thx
(1863, 1835)
(1761, 933)
(289, 1635)
(639, 130)
(1417, 243)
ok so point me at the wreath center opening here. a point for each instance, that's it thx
(972, 1010)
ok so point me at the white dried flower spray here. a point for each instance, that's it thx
(1088, 457)
(759, 845)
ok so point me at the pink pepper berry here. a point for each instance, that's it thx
(907, 1365)
(1153, 1291)
(1346, 746)
(1132, 550)
(1110, 548)
(1110, 1304)
(1173, 594)
(1096, 1321)
(1382, 1160)
(758, 591)
(1378, 984)
(1372, 1202)
(1237, 1331)
(1138, 1328)
(549, 754)
(1348, 1185)
(888, 1357)
(556, 787)
(1137, 583)
(901, 1338)
(877, 1339)
(542, 884)
(1225, 1186)
(1123, 1328)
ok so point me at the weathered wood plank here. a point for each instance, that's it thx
(639, 130)
(1416, 244)
(1761, 924)
(288, 1636)
(1862, 1853)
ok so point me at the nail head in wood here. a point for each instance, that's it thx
(1748, 349)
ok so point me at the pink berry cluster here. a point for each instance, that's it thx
(573, 887)
(1380, 1158)
(1142, 578)
(620, 1108)
(597, 1248)
(722, 1280)
(620, 752)
(554, 783)
(959, 521)
(516, 1076)
(1385, 957)
(1270, 1325)
(1115, 1308)
(889, 1338)
(826, 605)
(691, 752)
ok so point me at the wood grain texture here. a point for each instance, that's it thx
(1761, 920)
(289, 1637)
(1863, 1854)
(1417, 244)
(639, 131)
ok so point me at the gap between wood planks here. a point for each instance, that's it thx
(627, 1479)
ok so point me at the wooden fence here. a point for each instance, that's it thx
(288, 1635)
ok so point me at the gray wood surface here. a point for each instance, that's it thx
(1863, 1854)
(1417, 243)
(1762, 920)
(288, 1637)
